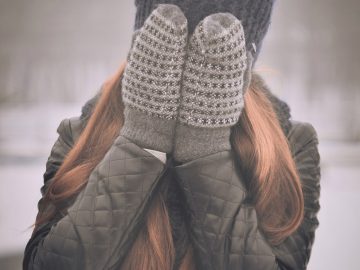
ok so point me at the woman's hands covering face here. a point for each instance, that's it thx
(183, 93)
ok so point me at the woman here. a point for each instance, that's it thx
(184, 160)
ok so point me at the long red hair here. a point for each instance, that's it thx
(263, 155)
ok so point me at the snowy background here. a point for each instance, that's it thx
(54, 55)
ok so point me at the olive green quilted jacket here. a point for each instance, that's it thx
(104, 219)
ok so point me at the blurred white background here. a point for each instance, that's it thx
(54, 55)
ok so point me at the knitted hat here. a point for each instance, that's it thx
(254, 15)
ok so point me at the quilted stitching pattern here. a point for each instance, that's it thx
(100, 225)
(221, 225)
(226, 229)
(69, 246)
(249, 248)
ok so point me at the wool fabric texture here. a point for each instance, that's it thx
(182, 97)
(255, 15)
(175, 197)
(152, 79)
(212, 87)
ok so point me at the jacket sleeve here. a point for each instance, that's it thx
(99, 227)
(68, 131)
(295, 251)
(225, 227)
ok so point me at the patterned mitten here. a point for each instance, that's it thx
(152, 78)
(213, 87)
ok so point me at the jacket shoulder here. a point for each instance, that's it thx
(70, 128)
(88, 107)
(301, 135)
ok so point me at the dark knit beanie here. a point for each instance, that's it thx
(254, 15)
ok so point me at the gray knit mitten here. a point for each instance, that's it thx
(152, 79)
(214, 78)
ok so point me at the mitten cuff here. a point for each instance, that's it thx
(194, 142)
(148, 131)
